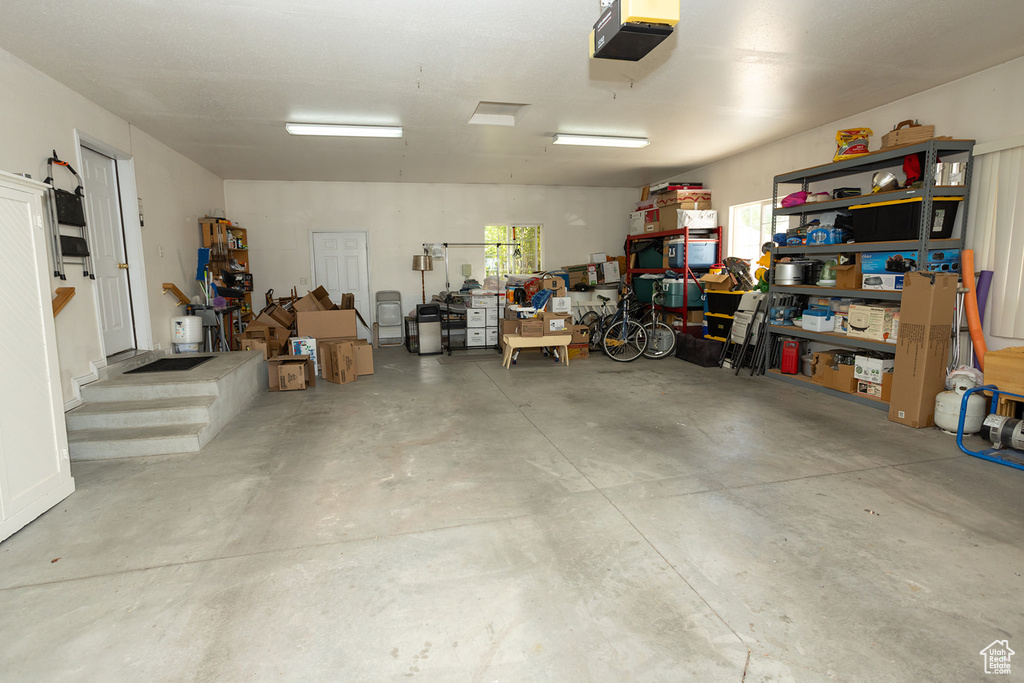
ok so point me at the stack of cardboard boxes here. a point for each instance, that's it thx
(673, 210)
(326, 342)
(556, 319)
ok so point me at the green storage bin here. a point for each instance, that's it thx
(644, 289)
(649, 258)
(676, 297)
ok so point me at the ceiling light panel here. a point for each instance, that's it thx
(497, 113)
(600, 141)
(333, 130)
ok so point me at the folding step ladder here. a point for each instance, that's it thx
(66, 214)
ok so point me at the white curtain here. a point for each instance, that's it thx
(996, 233)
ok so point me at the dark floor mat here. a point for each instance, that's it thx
(176, 364)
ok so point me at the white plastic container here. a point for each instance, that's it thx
(816, 320)
(186, 333)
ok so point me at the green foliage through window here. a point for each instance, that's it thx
(525, 259)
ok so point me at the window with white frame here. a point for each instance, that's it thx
(750, 226)
(509, 260)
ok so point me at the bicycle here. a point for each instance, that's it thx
(661, 337)
(625, 339)
(597, 323)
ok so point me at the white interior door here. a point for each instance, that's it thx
(99, 174)
(339, 266)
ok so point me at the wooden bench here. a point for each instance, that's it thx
(514, 342)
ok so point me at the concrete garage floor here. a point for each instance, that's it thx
(455, 521)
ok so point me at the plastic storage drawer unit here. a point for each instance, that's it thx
(899, 220)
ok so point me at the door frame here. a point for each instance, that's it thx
(367, 315)
(133, 248)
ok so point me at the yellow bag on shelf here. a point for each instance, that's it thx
(851, 143)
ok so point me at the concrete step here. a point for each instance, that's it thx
(153, 412)
(129, 442)
(117, 390)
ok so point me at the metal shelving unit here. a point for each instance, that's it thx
(688, 274)
(887, 159)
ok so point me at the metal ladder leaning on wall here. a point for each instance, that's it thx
(67, 209)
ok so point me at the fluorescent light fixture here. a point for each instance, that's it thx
(600, 141)
(344, 131)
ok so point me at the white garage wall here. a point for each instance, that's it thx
(985, 106)
(400, 217)
(38, 115)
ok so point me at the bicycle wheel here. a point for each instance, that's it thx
(596, 331)
(624, 341)
(588, 317)
(661, 340)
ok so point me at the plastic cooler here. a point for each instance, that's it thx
(702, 253)
(678, 295)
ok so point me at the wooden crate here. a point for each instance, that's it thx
(909, 135)
(1005, 369)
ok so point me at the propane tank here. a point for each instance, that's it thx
(1004, 432)
(947, 409)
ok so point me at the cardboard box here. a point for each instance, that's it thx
(555, 323)
(276, 315)
(608, 272)
(480, 299)
(885, 270)
(339, 361)
(284, 372)
(476, 336)
(585, 274)
(327, 324)
(477, 317)
(579, 351)
(870, 322)
(717, 281)
(363, 354)
(492, 336)
(316, 300)
(636, 222)
(868, 369)
(530, 327)
(260, 345)
(843, 378)
(491, 316)
(894, 333)
(848, 276)
(695, 316)
(556, 283)
(560, 304)
(580, 334)
(305, 346)
(821, 368)
(1005, 369)
(507, 327)
(922, 350)
(679, 216)
(688, 199)
(880, 391)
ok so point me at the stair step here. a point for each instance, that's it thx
(128, 442)
(138, 360)
(118, 389)
(153, 412)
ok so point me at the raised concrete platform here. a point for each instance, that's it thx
(165, 412)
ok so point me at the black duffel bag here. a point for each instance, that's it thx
(702, 352)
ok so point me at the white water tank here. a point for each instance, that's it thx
(186, 333)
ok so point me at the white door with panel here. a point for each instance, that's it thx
(339, 266)
(35, 469)
(103, 203)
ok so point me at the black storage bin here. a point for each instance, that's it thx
(900, 219)
(725, 303)
(719, 327)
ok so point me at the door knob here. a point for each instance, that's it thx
(122, 266)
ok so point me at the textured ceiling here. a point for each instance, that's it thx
(217, 80)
